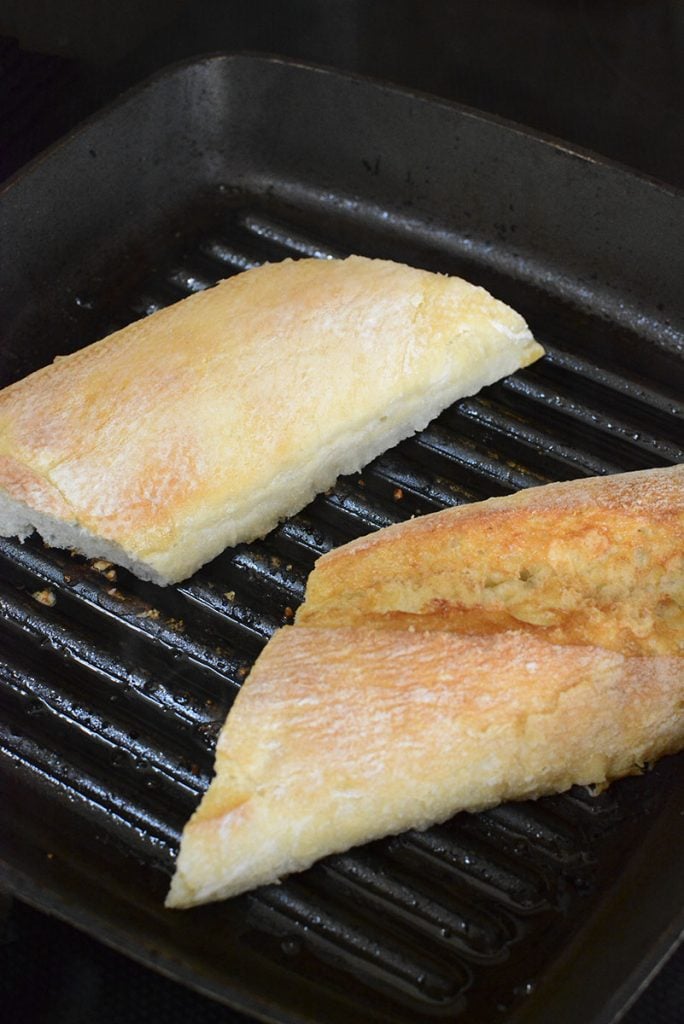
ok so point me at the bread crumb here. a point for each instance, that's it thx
(151, 613)
(46, 597)
(397, 494)
(106, 568)
(288, 613)
(229, 595)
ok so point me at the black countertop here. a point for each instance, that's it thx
(607, 77)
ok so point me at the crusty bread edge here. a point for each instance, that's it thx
(350, 569)
(17, 519)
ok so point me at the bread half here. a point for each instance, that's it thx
(593, 561)
(340, 736)
(204, 424)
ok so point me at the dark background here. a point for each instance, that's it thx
(606, 75)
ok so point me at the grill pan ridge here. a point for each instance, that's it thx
(113, 691)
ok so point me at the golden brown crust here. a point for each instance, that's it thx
(340, 736)
(205, 423)
(32, 489)
(595, 561)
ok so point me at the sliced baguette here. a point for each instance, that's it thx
(593, 561)
(204, 424)
(340, 736)
(401, 695)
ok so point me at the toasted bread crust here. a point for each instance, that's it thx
(595, 561)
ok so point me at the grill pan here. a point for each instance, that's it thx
(112, 691)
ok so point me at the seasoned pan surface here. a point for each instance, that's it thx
(113, 690)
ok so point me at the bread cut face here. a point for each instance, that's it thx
(204, 424)
(593, 561)
(498, 651)
(340, 736)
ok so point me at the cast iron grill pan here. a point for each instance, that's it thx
(113, 691)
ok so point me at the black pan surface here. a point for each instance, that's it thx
(113, 691)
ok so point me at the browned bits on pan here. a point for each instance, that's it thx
(106, 568)
(397, 494)
(150, 613)
(288, 612)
